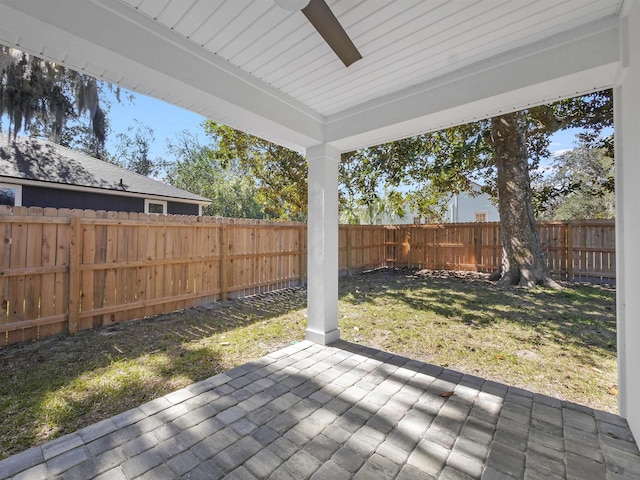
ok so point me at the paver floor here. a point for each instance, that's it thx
(338, 412)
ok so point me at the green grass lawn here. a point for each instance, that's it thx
(560, 343)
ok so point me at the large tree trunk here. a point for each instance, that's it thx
(523, 261)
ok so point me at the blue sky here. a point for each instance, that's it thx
(165, 119)
(563, 140)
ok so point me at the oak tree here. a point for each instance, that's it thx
(499, 153)
(198, 169)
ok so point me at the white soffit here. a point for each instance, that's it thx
(403, 42)
(581, 61)
(259, 68)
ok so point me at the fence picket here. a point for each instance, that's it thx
(224, 264)
(160, 270)
(110, 274)
(5, 264)
(99, 276)
(17, 283)
(48, 280)
(141, 271)
(75, 260)
(87, 284)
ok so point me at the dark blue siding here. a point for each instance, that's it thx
(58, 198)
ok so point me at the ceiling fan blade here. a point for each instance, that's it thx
(327, 25)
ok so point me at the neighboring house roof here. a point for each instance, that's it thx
(40, 160)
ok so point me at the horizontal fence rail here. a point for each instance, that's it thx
(70, 270)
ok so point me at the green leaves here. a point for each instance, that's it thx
(417, 174)
(280, 174)
(429, 168)
(580, 186)
(200, 170)
(424, 170)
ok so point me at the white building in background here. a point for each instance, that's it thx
(461, 208)
(467, 207)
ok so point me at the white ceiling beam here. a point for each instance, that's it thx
(576, 62)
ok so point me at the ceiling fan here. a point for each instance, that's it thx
(324, 21)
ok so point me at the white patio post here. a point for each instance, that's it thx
(627, 138)
(322, 273)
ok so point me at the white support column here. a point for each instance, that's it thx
(322, 273)
(627, 138)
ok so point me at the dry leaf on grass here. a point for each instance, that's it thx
(613, 391)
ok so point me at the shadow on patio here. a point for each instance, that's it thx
(342, 411)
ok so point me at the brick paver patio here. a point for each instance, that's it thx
(338, 412)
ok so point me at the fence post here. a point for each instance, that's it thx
(477, 241)
(387, 257)
(406, 246)
(224, 268)
(407, 240)
(302, 258)
(391, 241)
(569, 252)
(75, 252)
(348, 229)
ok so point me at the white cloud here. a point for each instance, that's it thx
(559, 152)
(545, 169)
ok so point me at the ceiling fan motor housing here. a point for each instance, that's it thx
(292, 5)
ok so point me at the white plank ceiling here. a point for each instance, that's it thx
(403, 42)
(427, 64)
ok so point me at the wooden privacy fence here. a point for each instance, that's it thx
(74, 269)
(575, 251)
(79, 269)
(361, 247)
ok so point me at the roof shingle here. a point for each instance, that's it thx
(40, 160)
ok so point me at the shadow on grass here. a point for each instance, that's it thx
(63, 383)
(579, 315)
